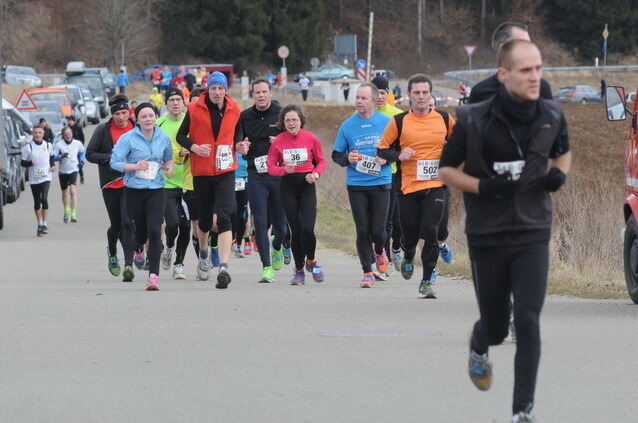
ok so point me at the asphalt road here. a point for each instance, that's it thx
(81, 346)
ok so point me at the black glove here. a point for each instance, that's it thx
(554, 179)
(498, 187)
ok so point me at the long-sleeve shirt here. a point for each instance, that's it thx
(303, 151)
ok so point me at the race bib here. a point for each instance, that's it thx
(295, 156)
(369, 165)
(261, 164)
(427, 170)
(511, 169)
(224, 157)
(41, 172)
(240, 184)
(150, 173)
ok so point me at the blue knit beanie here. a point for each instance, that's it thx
(217, 78)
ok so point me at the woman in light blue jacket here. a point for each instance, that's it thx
(144, 154)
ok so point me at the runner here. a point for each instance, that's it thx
(78, 134)
(177, 225)
(297, 156)
(415, 139)
(145, 156)
(393, 226)
(506, 189)
(240, 215)
(156, 98)
(99, 151)
(70, 153)
(209, 131)
(259, 126)
(37, 156)
(304, 84)
(368, 178)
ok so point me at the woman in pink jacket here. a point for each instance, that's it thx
(296, 155)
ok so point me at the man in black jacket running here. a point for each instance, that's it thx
(505, 145)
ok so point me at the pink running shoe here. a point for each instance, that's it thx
(153, 283)
(139, 260)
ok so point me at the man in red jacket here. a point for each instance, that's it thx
(209, 131)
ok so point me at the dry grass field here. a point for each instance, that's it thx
(586, 244)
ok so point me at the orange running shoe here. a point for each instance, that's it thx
(382, 262)
(367, 281)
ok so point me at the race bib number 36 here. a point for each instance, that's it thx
(261, 164)
(224, 157)
(369, 166)
(295, 156)
(511, 169)
(427, 170)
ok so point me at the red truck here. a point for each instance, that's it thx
(616, 107)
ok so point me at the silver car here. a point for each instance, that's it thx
(21, 75)
(92, 108)
(583, 94)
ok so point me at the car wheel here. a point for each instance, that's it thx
(630, 258)
(583, 101)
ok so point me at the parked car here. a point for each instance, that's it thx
(57, 94)
(108, 78)
(17, 129)
(21, 75)
(328, 71)
(92, 108)
(578, 94)
(76, 72)
(79, 108)
(56, 120)
(443, 100)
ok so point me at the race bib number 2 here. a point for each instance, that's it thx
(295, 156)
(369, 165)
(261, 164)
(224, 157)
(427, 170)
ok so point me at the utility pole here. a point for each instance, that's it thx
(441, 11)
(419, 30)
(370, 25)
(482, 20)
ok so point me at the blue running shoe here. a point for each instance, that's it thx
(287, 256)
(446, 253)
(407, 268)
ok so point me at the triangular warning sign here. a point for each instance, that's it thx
(25, 102)
(469, 50)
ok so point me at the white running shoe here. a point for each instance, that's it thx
(178, 272)
(167, 257)
(203, 267)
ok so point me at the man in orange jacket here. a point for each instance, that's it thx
(209, 131)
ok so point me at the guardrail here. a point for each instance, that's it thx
(466, 75)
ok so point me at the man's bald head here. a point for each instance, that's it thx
(510, 50)
(520, 69)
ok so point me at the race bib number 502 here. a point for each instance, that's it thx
(427, 170)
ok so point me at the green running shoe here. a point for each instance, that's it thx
(128, 274)
(268, 275)
(114, 266)
(277, 258)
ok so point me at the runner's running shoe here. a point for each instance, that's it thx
(407, 268)
(202, 269)
(152, 284)
(480, 369)
(299, 278)
(178, 272)
(214, 256)
(396, 259)
(237, 252)
(317, 273)
(382, 262)
(253, 242)
(167, 257)
(425, 287)
(446, 253)
(287, 256)
(39, 231)
(248, 248)
(277, 258)
(128, 274)
(114, 265)
(367, 281)
(223, 278)
(45, 229)
(65, 219)
(74, 219)
(522, 418)
(138, 259)
(268, 275)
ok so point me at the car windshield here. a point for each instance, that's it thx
(48, 106)
(93, 80)
(566, 90)
(28, 71)
(87, 94)
(59, 97)
(52, 117)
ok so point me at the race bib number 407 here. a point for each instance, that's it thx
(295, 156)
(427, 170)
(369, 165)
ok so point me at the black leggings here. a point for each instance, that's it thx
(300, 204)
(40, 193)
(443, 230)
(392, 225)
(146, 209)
(215, 195)
(177, 224)
(240, 215)
(370, 211)
(121, 225)
(421, 214)
(266, 206)
(521, 271)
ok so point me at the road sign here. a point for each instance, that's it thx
(605, 32)
(469, 50)
(283, 52)
(25, 102)
(314, 62)
(361, 64)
